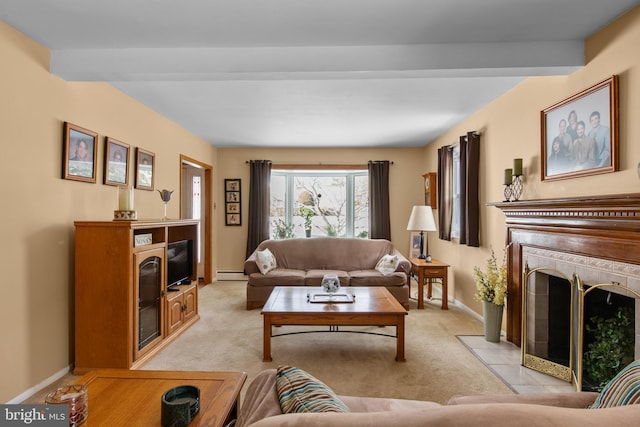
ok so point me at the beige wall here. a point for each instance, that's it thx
(405, 182)
(39, 207)
(510, 129)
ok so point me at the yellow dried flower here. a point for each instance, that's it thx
(492, 285)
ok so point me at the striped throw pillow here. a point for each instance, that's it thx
(299, 391)
(623, 389)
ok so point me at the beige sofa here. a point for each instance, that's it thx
(304, 262)
(261, 408)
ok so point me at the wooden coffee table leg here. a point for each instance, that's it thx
(400, 339)
(266, 339)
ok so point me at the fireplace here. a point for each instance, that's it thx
(596, 238)
(572, 307)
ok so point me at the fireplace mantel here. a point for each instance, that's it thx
(607, 227)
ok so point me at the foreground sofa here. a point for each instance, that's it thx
(261, 408)
(304, 262)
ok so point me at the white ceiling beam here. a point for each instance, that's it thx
(320, 62)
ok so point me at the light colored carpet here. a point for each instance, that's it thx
(438, 366)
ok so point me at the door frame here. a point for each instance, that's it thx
(206, 222)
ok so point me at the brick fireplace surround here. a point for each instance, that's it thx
(606, 227)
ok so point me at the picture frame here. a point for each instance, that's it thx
(80, 152)
(145, 163)
(579, 135)
(116, 162)
(233, 207)
(414, 247)
(232, 201)
(233, 219)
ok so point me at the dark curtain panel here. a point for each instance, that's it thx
(259, 196)
(445, 192)
(379, 218)
(469, 176)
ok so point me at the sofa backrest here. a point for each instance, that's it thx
(328, 253)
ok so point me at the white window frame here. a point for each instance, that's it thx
(291, 174)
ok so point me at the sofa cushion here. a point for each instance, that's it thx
(299, 391)
(387, 264)
(623, 389)
(266, 261)
(278, 277)
(375, 278)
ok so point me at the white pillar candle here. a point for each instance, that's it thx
(125, 198)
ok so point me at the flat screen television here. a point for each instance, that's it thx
(179, 262)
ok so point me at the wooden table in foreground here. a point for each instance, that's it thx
(429, 271)
(120, 397)
(373, 306)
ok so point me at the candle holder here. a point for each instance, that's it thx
(165, 195)
(125, 210)
(516, 187)
(507, 192)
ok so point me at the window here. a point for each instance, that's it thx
(455, 220)
(319, 203)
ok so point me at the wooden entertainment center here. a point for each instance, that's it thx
(124, 312)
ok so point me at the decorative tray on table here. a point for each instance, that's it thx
(332, 298)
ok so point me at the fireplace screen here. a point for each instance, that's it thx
(548, 322)
(576, 332)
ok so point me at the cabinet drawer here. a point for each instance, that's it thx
(435, 272)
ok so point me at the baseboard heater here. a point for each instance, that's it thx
(223, 275)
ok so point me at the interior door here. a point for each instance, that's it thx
(194, 204)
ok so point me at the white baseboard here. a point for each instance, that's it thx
(466, 309)
(36, 388)
(230, 275)
(474, 314)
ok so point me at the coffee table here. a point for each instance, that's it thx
(372, 306)
(119, 397)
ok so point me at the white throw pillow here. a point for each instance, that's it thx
(266, 261)
(388, 264)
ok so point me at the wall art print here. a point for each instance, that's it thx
(580, 133)
(79, 153)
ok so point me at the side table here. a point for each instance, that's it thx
(430, 270)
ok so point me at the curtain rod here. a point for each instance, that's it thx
(455, 144)
(321, 165)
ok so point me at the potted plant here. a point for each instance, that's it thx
(611, 349)
(282, 229)
(307, 213)
(491, 289)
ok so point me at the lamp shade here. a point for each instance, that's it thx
(421, 219)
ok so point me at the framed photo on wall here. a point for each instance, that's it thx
(580, 133)
(116, 162)
(145, 161)
(80, 151)
(232, 204)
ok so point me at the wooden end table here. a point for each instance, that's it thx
(119, 397)
(373, 306)
(430, 270)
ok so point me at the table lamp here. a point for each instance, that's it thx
(421, 220)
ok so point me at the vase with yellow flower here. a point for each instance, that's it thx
(491, 289)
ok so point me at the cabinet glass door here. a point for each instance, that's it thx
(149, 278)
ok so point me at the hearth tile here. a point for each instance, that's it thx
(492, 357)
